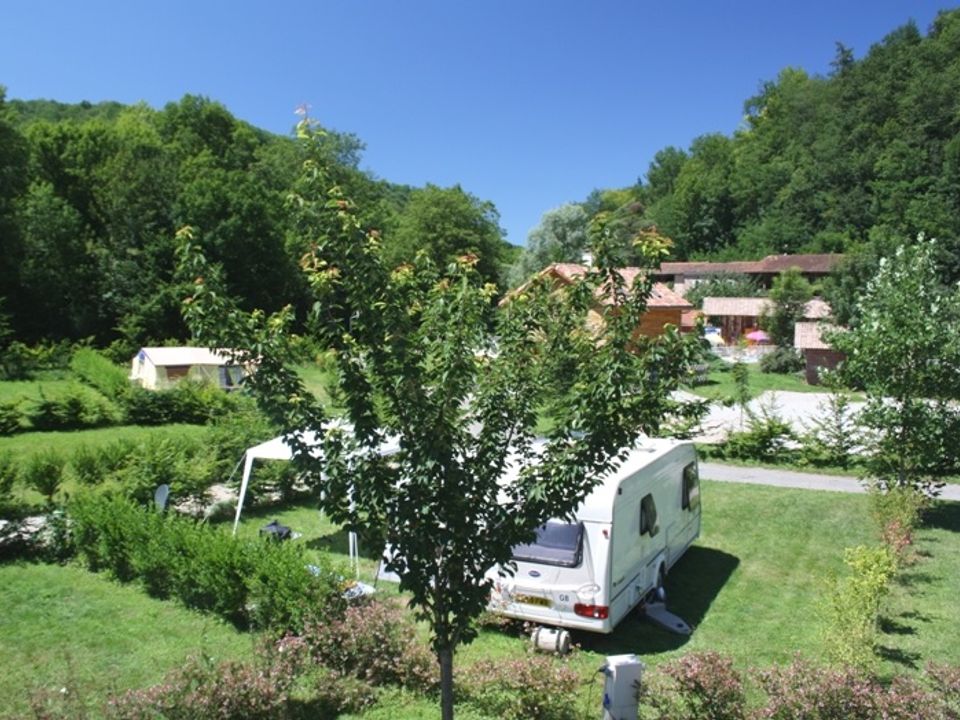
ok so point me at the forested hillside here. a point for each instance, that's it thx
(92, 194)
(853, 162)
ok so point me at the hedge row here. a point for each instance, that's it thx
(251, 583)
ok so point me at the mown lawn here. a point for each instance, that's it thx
(720, 385)
(63, 627)
(752, 584)
(751, 587)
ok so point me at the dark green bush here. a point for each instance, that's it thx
(72, 410)
(767, 437)
(10, 416)
(186, 402)
(98, 372)
(782, 361)
(43, 472)
(185, 466)
(8, 475)
(249, 582)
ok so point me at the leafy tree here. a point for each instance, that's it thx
(417, 360)
(561, 236)
(904, 352)
(789, 296)
(447, 223)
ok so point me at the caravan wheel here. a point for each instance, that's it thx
(659, 592)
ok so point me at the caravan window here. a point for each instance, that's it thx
(691, 488)
(648, 516)
(557, 543)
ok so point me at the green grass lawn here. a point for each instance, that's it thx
(317, 380)
(65, 627)
(750, 587)
(17, 391)
(720, 385)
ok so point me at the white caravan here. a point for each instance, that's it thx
(588, 574)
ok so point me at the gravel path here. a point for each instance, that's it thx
(792, 479)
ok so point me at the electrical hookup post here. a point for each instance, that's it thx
(622, 675)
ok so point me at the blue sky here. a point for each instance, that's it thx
(529, 104)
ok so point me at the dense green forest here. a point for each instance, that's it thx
(92, 194)
(856, 162)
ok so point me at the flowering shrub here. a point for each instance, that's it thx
(699, 686)
(704, 686)
(226, 691)
(536, 686)
(374, 642)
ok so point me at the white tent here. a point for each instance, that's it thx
(281, 448)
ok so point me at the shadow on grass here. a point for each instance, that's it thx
(692, 586)
(943, 516)
(338, 542)
(906, 658)
(889, 626)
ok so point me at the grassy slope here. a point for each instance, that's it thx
(66, 443)
(65, 627)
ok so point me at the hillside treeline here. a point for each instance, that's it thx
(854, 162)
(91, 196)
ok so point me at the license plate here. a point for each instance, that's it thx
(532, 600)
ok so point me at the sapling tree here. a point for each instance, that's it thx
(903, 350)
(422, 355)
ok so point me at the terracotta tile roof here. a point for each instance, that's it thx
(660, 295)
(739, 306)
(688, 318)
(806, 263)
(807, 335)
(823, 263)
(816, 309)
(708, 268)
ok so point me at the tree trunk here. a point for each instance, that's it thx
(445, 656)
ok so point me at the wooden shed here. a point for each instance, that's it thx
(818, 354)
(664, 306)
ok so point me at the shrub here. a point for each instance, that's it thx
(244, 581)
(8, 476)
(699, 686)
(852, 609)
(767, 436)
(258, 690)
(832, 437)
(75, 409)
(10, 416)
(185, 402)
(98, 372)
(186, 467)
(536, 686)
(897, 512)
(374, 642)
(44, 473)
(800, 690)
(782, 361)
(335, 694)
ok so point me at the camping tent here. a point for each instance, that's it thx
(281, 448)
